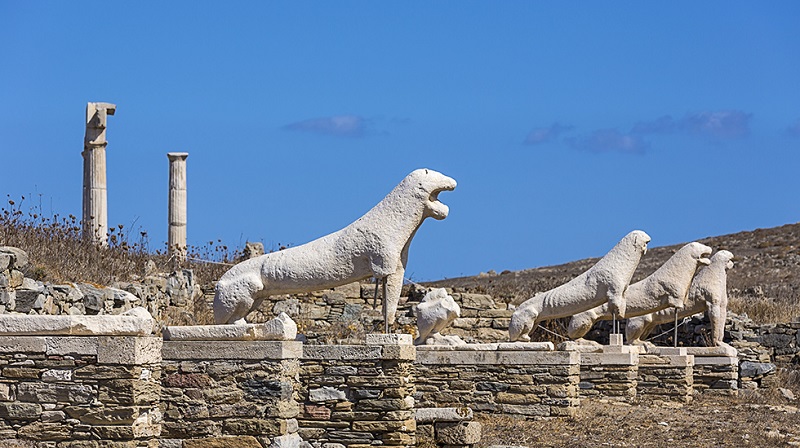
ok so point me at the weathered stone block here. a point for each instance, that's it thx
(316, 412)
(21, 372)
(56, 375)
(129, 350)
(516, 358)
(77, 325)
(254, 426)
(385, 425)
(55, 393)
(325, 394)
(20, 411)
(44, 431)
(223, 442)
(475, 301)
(72, 345)
(231, 350)
(111, 415)
(461, 433)
(287, 441)
(399, 352)
(388, 339)
(428, 415)
(22, 344)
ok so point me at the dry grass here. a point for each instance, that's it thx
(707, 422)
(764, 310)
(59, 254)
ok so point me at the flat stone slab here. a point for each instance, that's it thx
(340, 352)
(245, 332)
(716, 361)
(230, 350)
(580, 348)
(388, 339)
(503, 357)
(533, 346)
(712, 351)
(666, 360)
(102, 325)
(667, 351)
(494, 346)
(432, 415)
(609, 359)
(621, 349)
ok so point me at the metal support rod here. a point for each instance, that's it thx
(375, 299)
(675, 335)
(385, 308)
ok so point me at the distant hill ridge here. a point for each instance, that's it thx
(767, 267)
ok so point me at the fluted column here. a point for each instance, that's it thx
(95, 196)
(177, 205)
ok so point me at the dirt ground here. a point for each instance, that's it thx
(757, 419)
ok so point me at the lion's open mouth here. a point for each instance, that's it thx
(439, 209)
(434, 197)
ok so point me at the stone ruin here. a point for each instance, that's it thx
(88, 366)
(120, 378)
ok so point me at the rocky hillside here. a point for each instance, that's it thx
(766, 276)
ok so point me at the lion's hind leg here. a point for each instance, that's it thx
(637, 328)
(581, 323)
(234, 299)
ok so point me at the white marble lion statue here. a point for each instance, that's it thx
(708, 292)
(604, 282)
(667, 287)
(375, 245)
(434, 313)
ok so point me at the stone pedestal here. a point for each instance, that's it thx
(520, 380)
(95, 199)
(242, 392)
(100, 387)
(608, 374)
(177, 205)
(667, 375)
(716, 370)
(359, 395)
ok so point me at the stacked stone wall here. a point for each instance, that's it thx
(233, 391)
(166, 297)
(611, 376)
(358, 396)
(80, 391)
(716, 375)
(665, 377)
(528, 384)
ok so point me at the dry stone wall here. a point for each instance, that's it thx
(80, 391)
(225, 391)
(666, 377)
(165, 296)
(359, 395)
(612, 376)
(527, 384)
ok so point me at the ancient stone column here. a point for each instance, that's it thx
(177, 205)
(95, 199)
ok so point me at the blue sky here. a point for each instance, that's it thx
(566, 124)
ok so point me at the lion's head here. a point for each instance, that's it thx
(699, 252)
(693, 251)
(723, 256)
(638, 239)
(427, 184)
